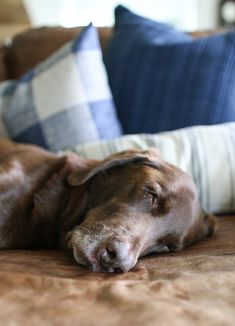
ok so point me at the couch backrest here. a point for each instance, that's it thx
(31, 47)
(3, 73)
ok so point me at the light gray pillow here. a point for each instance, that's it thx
(206, 152)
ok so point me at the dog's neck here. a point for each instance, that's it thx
(57, 208)
(40, 208)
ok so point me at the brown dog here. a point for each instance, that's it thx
(108, 212)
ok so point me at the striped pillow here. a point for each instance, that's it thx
(63, 101)
(206, 152)
(163, 83)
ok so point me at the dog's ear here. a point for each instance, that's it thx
(89, 169)
(73, 162)
(205, 226)
(149, 154)
(210, 223)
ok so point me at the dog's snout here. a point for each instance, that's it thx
(115, 257)
(109, 253)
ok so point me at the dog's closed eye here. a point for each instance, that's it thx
(152, 197)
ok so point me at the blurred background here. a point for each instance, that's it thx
(188, 15)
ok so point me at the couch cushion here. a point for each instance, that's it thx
(63, 101)
(205, 152)
(195, 286)
(162, 81)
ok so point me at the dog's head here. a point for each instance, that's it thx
(135, 204)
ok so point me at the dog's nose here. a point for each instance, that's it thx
(115, 257)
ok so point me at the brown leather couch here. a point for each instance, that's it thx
(27, 49)
(192, 287)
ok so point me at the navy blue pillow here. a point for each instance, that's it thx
(173, 83)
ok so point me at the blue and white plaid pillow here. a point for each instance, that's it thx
(63, 101)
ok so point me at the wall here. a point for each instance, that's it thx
(185, 14)
(207, 14)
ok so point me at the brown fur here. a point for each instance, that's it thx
(108, 212)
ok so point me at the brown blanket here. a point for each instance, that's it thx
(193, 287)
